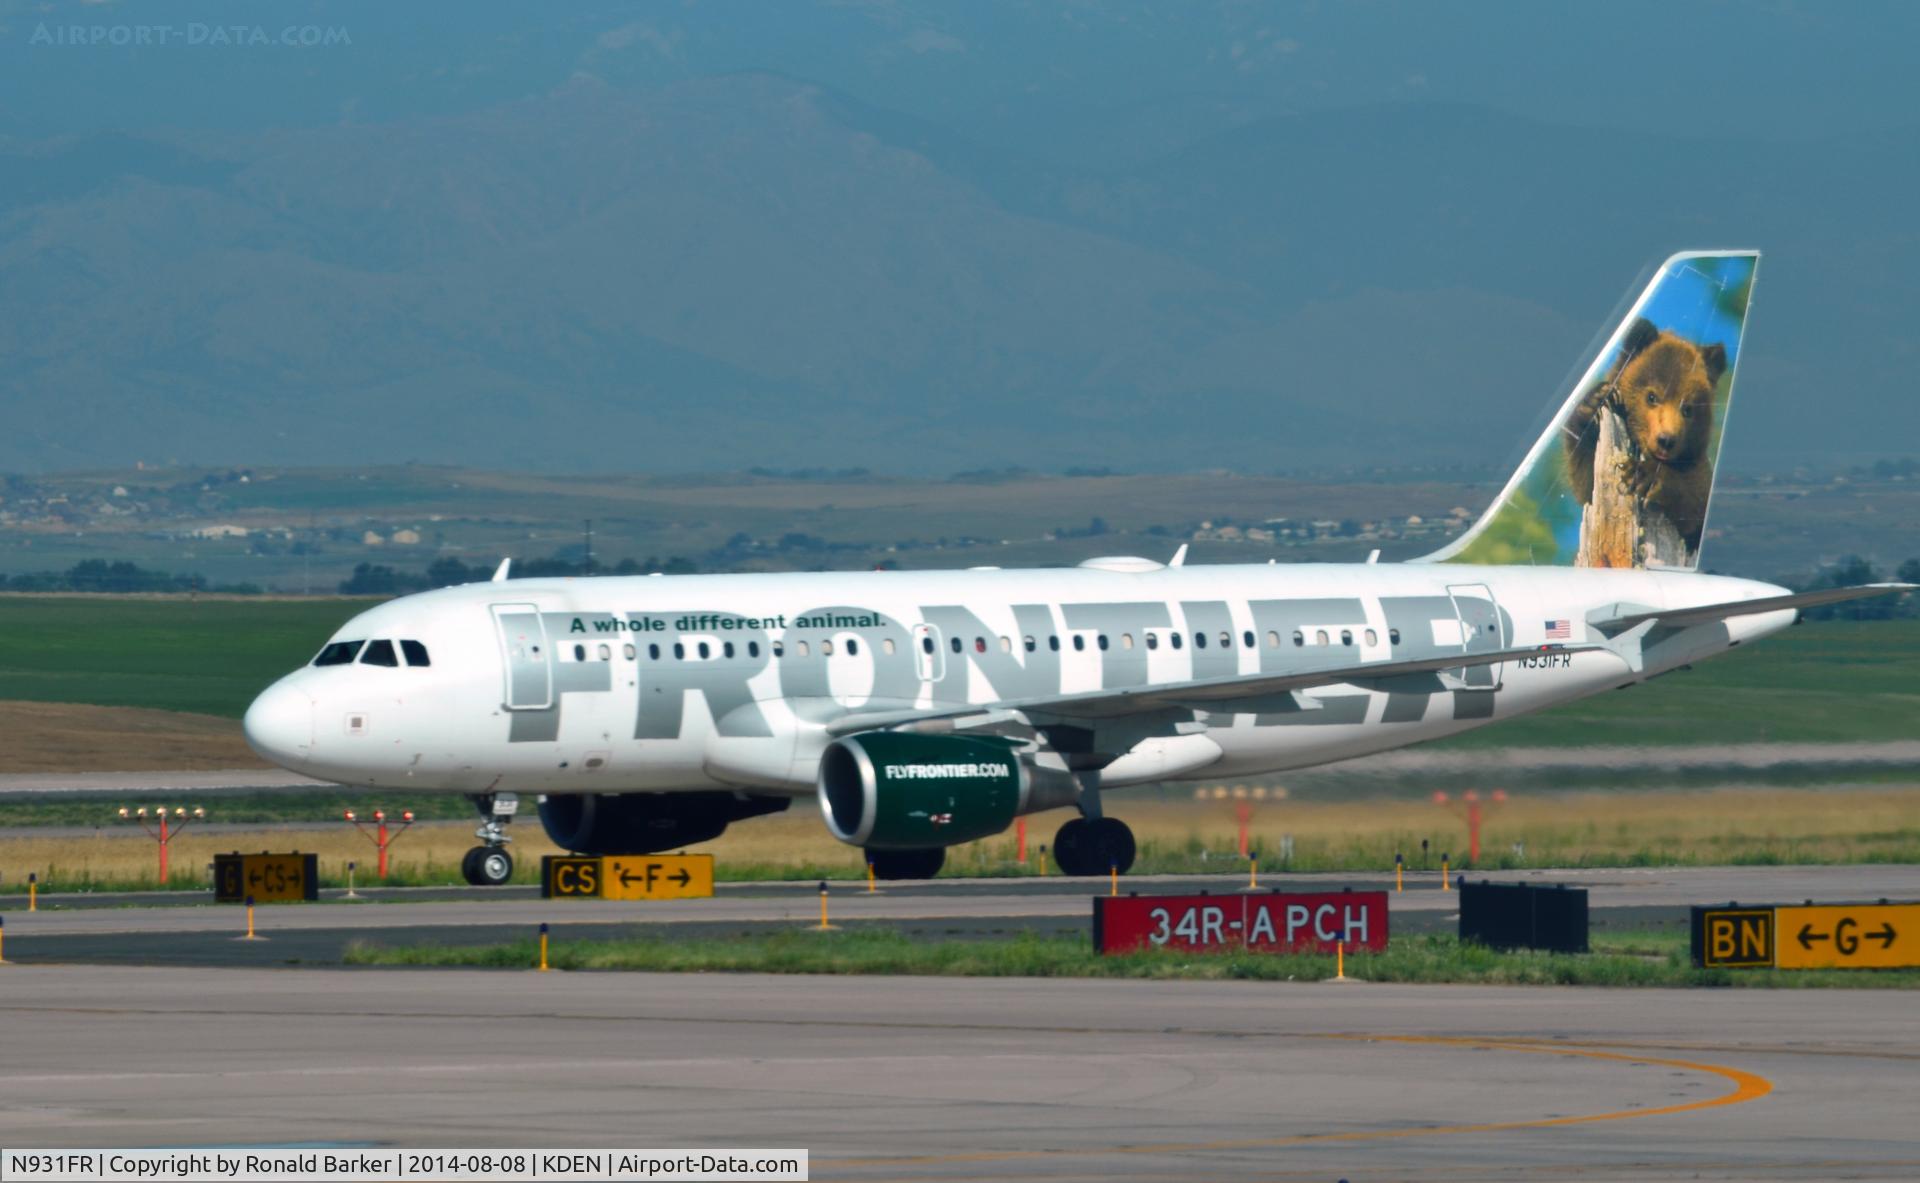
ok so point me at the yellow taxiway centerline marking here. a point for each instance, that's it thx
(1747, 1087)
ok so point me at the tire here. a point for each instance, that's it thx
(1076, 849)
(1094, 846)
(487, 866)
(1116, 843)
(907, 864)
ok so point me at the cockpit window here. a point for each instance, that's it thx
(339, 653)
(416, 653)
(379, 653)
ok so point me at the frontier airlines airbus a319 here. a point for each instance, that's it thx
(926, 709)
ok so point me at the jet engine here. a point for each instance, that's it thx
(645, 823)
(890, 790)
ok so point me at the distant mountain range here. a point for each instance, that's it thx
(751, 269)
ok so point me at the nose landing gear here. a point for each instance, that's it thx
(489, 864)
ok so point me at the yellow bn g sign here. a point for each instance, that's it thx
(1733, 938)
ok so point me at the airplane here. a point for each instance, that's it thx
(924, 709)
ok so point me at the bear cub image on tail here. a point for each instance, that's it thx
(1662, 388)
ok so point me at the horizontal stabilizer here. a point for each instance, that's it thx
(1709, 613)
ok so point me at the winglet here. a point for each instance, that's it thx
(500, 572)
(1179, 558)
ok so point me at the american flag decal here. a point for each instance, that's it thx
(1559, 630)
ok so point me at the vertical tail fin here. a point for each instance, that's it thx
(1623, 475)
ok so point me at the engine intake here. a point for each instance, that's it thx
(887, 790)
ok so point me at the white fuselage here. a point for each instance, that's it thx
(665, 683)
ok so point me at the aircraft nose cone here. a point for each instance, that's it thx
(279, 725)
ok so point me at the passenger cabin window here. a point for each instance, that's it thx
(1153, 640)
(1006, 645)
(726, 649)
(579, 652)
(604, 653)
(779, 648)
(629, 651)
(1393, 636)
(1053, 643)
(705, 651)
(1101, 640)
(800, 648)
(826, 648)
(1373, 638)
(1175, 639)
(926, 644)
(1273, 639)
(1126, 640)
(979, 644)
(653, 653)
(1299, 638)
(679, 651)
(886, 646)
(1346, 636)
(1031, 646)
(339, 653)
(1199, 640)
(1320, 636)
(956, 646)
(1079, 643)
(853, 647)
(1247, 638)
(753, 648)
(415, 653)
(379, 653)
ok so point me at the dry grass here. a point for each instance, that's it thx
(1720, 826)
(64, 737)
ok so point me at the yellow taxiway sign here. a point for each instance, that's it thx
(628, 877)
(1847, 936)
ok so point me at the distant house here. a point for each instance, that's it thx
(221, 531)
(372, 538)
(405, 538)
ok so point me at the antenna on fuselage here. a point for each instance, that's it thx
(500, 572)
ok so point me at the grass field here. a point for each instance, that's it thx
(209, 656)
(1729, 826)
(1645, 959)
(1835, 682)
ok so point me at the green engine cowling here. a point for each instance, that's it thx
(890, 790)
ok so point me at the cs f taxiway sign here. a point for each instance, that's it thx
(628, 877)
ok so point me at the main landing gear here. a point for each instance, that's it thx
(1092, 844)
(489, 864)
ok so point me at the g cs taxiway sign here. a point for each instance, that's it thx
(1847, 936)
(628, 877)
(265, 877)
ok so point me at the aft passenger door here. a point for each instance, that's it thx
(527, 656)
(1481, 630)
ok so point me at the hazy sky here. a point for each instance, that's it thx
(217, 219)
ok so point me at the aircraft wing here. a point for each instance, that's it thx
(1203, 694)
(1620, 617)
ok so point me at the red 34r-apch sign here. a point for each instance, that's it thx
(1274, 922)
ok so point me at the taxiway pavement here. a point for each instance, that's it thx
(1004, 1079)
